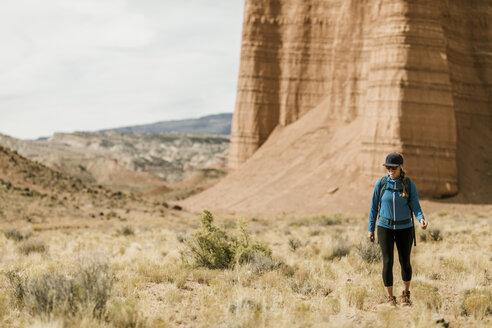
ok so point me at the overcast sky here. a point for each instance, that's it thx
(68, 65)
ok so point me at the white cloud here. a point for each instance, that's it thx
(92, 64)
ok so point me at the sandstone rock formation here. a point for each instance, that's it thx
(327, 88)
(126, 161)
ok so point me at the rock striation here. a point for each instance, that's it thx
(418, 72)
(412, 76)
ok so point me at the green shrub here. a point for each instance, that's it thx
(53, 294)
(210, 247)
(369, 252)
(245, 250)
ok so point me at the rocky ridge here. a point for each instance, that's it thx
(210, 124)
(139, 161)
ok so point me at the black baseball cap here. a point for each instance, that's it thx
(393, 160)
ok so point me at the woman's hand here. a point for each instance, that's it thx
(423, 224)
(370, 236)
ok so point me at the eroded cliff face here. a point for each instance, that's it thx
(418, 73)
(328, 88)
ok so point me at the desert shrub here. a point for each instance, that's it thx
(210, 247)
(369, 252)
(17, 235)
(294, 244)
(431, 235)
(338, 250)
(435, 234)
(477, 303)
(55, 294)
(33, 245)
(260, 263)
(126, 230)
(244, 249)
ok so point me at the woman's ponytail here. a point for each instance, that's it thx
(404, 193)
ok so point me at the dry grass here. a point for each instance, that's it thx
(33, 245)
(330, 277)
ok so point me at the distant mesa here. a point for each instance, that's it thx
(140, 158)
(211, 124)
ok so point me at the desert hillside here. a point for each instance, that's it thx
(128, 161)
(78, 255)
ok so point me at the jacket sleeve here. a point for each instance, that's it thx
(414, 201)
(373, 213)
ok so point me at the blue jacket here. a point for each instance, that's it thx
(391, 200)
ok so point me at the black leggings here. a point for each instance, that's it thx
(403, 239)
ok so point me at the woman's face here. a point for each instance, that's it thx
(394, 172)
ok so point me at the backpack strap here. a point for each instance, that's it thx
(382, 188)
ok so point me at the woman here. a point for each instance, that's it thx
(394, 199)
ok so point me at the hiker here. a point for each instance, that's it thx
(395, 200)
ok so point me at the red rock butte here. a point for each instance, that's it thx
(327, 88)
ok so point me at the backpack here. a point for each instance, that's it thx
(382, 188)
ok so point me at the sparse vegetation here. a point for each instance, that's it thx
(477, 303)
(328, 220)
(294, 244)
(17, 235)
(369, 252)
(33, 245)
(340, 249)
(356, 296)
(126, 230)
(152, 278)
(54, 294)
(433, 234)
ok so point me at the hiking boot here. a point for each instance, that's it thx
(391, 301)
(405, 298)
